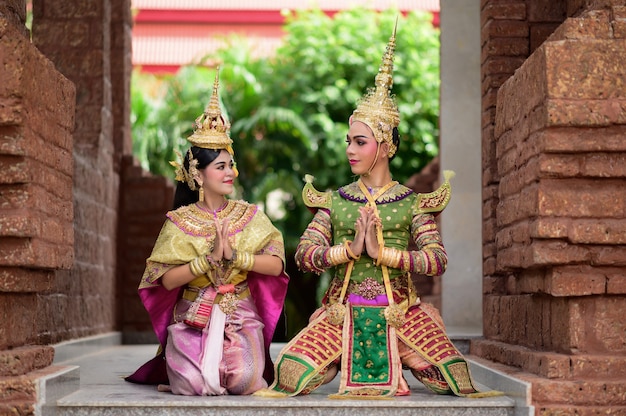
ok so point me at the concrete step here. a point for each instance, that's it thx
(101, 390)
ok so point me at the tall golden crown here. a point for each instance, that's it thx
(377, 108)
(211, 128)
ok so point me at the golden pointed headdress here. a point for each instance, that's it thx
(377, 108)
(211, 128)
(211, 131)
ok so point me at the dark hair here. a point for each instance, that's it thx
(184, 195)
(396, 140)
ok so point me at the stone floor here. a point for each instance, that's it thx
(100, 389)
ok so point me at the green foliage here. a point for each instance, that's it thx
(327, 64)
(289, 113)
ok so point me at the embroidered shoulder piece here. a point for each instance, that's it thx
(312, 197)
(194, 221)
(352, 192)
(437, 200)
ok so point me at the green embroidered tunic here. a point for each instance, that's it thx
(405, 225)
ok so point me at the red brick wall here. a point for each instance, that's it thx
(143, 203)
(36, 122)
(76, 36)
(555, 203)
(36, 213)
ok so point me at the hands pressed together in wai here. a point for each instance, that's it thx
(365, 238)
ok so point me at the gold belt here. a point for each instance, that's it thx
(191, 293)
(369, 288)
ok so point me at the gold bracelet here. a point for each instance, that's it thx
(338, 255)
(193, 269)
(391, 257)
(197, 267)
(351, 254)
(244, 261)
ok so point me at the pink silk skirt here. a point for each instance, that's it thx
(242, 355)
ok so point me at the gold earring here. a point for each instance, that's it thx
(201, 194)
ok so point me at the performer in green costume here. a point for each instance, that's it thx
(372, 323)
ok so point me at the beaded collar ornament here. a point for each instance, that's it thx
(377, 108)
(211, 131)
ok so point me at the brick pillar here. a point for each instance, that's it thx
(76, 36)
(36, 215)
(505, 46)
(555, 309)
(144, 201)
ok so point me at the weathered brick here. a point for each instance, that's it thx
(598, 366)
(514, 182)
(585, 113)
(549, 365)
(512, 258)
(568, 410)
(15, 279)
(511, 140)
(16, 390)
(19, 224)
(616, 283)
(546, 11)
(23, 360)
(73, 34)
(505, 47)
(581, 140)
(504, 29)
(503, 11)
(594, 24)
(614, 255)
(14, 170)
(579, 392)
(521, 93)
(604, 165)
(503, 64)
(598, 231)
(581, 198)
(532, 281)
(550, 227)
(576, 281)
(519, 206)
(599, 165)
(17, 328)
(489, 266)
(589, 69)
(619, 29)
(560, 166)
(489, 99)
(555, 252)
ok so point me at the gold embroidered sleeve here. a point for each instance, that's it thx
(430, 258)
(172, 248)
(314, 249)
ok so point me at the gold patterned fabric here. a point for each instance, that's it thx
(190, 232)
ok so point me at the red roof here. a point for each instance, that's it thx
(171, 33)
(431, 5)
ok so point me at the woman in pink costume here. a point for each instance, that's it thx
(214, 285)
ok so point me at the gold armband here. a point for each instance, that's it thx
(390, 257)
(337, 255)
(243, 260)
(351, 254)
(200, 266)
